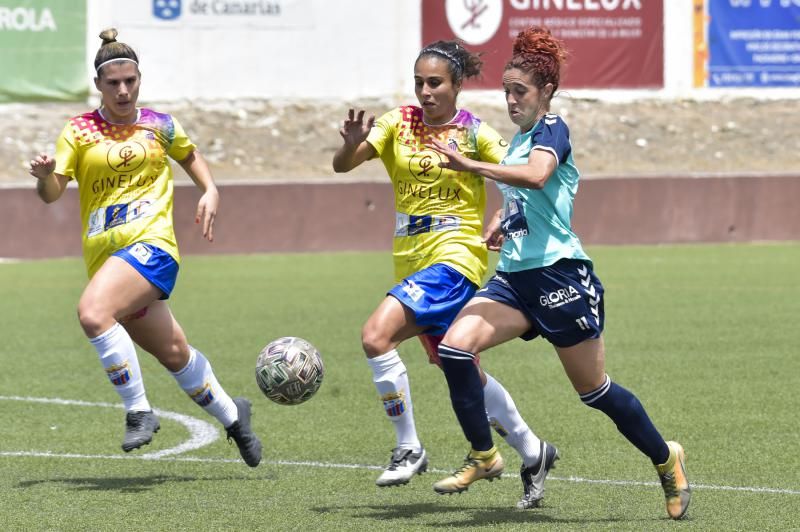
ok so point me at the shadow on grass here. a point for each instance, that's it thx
(125, 484)
(476, 516)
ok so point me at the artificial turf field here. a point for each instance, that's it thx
(706, 336)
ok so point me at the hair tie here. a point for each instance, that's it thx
(447, 55)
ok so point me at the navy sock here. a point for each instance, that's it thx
(466, 395)
(629, 415)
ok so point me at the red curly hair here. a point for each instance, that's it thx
(539, 54)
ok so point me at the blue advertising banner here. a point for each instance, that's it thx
(754, 43)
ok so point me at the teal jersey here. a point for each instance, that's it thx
(536, 223)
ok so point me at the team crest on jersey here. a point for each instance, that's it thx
(424, 166)
(119, 374)
(203, 396)
(126, 156)
(394, 403)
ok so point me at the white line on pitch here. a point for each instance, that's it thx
(201, 433)
(329, 465)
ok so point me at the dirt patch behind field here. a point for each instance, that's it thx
(265, 140)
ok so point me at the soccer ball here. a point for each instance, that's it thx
(289, 370)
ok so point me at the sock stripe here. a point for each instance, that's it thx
(594, 395)
(445, 351)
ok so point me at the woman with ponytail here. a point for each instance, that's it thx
(439, 257)
(118, 155)
(544, 284)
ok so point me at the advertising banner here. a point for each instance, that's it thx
(612, 43)
(753, 43)
(43, 50)
(217, 14)
(192, 49)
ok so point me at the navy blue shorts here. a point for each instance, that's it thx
(435, 295)
(155, 265)
(563, 301)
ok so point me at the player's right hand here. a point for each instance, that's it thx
(355, 131)
(493, 236)
(42, 166)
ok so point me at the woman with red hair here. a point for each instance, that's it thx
(544, 284)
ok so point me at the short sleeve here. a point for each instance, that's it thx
(66, 153)
(382, 131)
(553, 136)
(180, 147)
(492, 146)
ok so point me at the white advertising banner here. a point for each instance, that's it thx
(272, 14)
(285, 49)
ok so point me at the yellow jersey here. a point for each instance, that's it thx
(439, 212)
(124, 180)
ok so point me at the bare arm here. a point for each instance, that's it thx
(197, 168)
(355, 149)
(49, 185)
(541, 164)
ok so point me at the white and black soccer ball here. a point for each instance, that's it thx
(289, 370)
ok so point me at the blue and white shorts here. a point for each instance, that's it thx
(435, 295)
(155, 265)
(563, 301)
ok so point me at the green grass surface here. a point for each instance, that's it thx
(706, 336)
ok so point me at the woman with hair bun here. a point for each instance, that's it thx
(439, 257)
(118, 156)
(544, 284)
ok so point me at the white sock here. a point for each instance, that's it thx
(197, 379)
(118, 356)
(507, 421)
(391, 380)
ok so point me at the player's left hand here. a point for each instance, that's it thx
(454, 160)
(207, 212)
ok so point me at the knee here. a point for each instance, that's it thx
(94, 319)
(374, 341)
(461, 338)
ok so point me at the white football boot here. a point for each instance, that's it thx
(404, 465)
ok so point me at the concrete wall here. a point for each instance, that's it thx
(257, 218)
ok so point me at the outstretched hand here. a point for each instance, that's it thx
(455, 160)
(42, 166)
(355, 131)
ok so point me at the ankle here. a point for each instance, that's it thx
(483, 455)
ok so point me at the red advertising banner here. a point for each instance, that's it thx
(612, 43)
